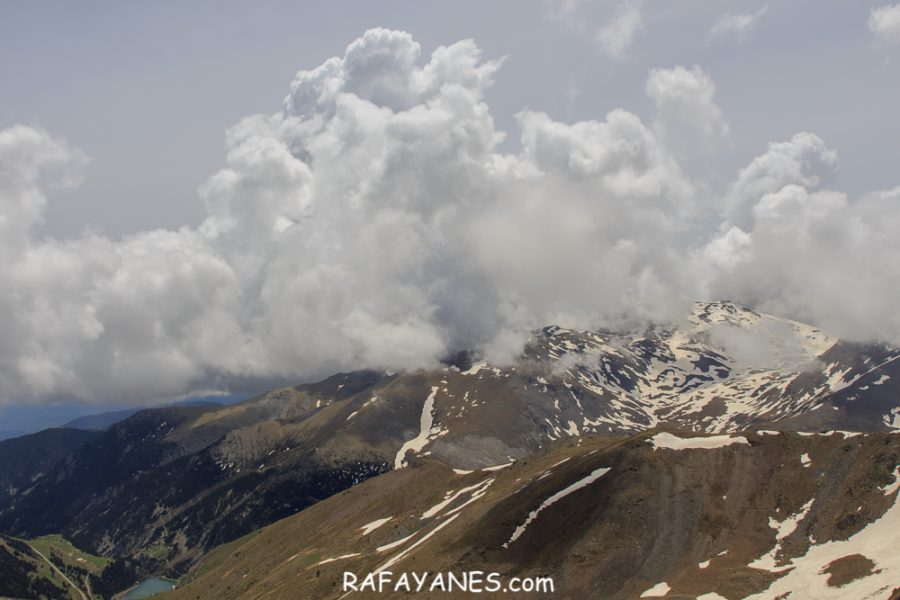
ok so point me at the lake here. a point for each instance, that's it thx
(148, 587)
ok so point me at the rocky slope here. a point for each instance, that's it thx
(750, 515)
(25, 460)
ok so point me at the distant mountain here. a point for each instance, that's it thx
(166, 485)
(618, 518)
(22, 419)
(103, 421)
(11, 433)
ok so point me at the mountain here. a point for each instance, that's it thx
(166, 485)
(25, 460)
(26, 418)
(102, 421)
(728, 516)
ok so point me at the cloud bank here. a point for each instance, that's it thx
(374, 223)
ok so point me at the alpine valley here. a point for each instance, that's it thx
(738, 455)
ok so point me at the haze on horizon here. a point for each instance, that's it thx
(435, 184)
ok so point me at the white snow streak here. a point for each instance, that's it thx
(394, 560)
(595, 475)
(369, 528)
(425, 432)
(437, 508)
(328, 560)
(498, 467)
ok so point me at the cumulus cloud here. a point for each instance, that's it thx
(818, 257)
(884, 23)
(804, 160)
(373, 222)
(687, 118)
(737, 25)
(618, 34)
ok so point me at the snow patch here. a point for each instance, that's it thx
(893, 487)
(673, 442)
(475, 368)
(878, 541)
(426, 432)
(370, 527)
(498, 467)
(657, 591)
(328, 560)
(892, 419)
(782, 530)
(805, 460)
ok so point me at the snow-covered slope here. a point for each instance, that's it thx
(729, 367)
(725, 369)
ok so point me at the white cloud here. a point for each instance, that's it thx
(687, 117)
(884, 22)
(804, 160)
(374, 223)
(738, 25)
(821, 258)
(618, 34)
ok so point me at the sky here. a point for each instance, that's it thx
(201, 197)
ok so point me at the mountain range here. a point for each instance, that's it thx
(459, 464)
